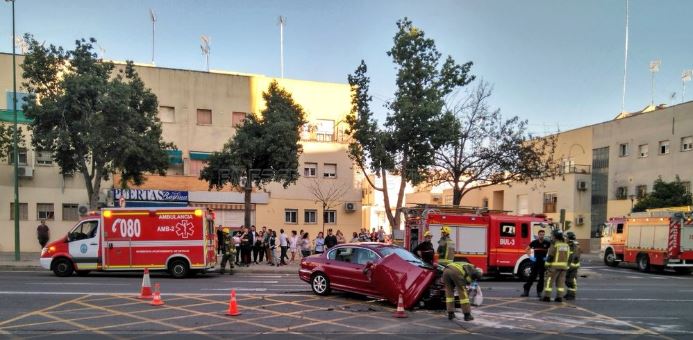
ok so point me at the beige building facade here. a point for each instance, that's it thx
(200, 112)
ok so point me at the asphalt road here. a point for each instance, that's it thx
(613, 302)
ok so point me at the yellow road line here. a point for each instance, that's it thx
(42, 310)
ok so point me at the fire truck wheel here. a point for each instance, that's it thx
(643, 263)
(83, 272)
(524, 270)
(179, 268)
(63, 267)
(610, 258)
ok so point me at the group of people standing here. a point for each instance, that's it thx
(559, 261)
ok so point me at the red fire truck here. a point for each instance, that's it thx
(179, 240)
(652, 240)
(491, 240)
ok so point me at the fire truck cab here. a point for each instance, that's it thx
(613, 240)
(494, 241)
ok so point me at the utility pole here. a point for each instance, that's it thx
(15, 140)
(282, 22)
(625, 65)
(654, 68)
(153, 17)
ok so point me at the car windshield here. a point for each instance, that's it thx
(404, 255)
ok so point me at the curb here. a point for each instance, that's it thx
(235, 270)
(21, 268)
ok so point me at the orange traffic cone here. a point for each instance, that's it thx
(146, 291)
(400, 313)
(156, 301)
(233, 307)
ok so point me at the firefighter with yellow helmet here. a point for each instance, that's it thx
(557, 266)
(446, 247)
(229, 251)
(573, 266)
(425, 249)
(459, 275)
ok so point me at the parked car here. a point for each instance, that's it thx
(377, 270)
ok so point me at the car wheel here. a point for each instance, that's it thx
(63, 268)
(644, 263)
(610, 258)
(179, 269)
(524, 270)
(83, 272)
(320, 284)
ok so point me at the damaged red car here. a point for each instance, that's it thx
(377, 270)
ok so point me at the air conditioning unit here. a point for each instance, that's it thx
(437, 197)
(83, 209)
(579, 220)
(582, 185)
(349, 206)
(25, 171)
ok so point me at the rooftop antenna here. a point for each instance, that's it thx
(625, 65)
(101, 50)
(654, 68)
(206, 41)
(21, 43)
(282, 23)
(686, 76)
(152, 16)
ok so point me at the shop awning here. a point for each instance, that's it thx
(153, 204)
(199, 155)
(8, 116)
(175, 156)
(221, 206)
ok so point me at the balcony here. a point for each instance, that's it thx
(575, 169)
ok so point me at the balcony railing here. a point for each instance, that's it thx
(575, 169)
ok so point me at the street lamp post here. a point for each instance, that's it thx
(15, 141)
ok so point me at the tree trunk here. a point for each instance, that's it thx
(248, 190)
(92, 196)
(386, 199)
(456, 195)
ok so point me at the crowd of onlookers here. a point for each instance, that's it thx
(255, 246)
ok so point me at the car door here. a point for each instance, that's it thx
(359, 279)
(338, 267)
(84, 245)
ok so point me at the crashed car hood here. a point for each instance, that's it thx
(393, 276)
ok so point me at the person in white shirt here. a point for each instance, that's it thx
(293, 245)
(284, 245)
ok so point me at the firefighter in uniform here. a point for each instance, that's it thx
(557, 265)
(459, 274)
(229, 251)
(425, 249)
(446, 247)
(573, 265)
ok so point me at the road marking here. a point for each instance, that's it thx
(137, 294)
(79, 283)
(251, 281)
(637, 299)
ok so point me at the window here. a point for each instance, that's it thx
(237, 118)
(204, 117)
(362, 256)
(44, 211)
(325, 130)
(484, 203)
(329, 217)
(619, 228)
(70, 212)
(525, 230)
(640, 191)
(341, 254)
(507, 229)
(310, 216)
(44, 158)
(291, 216)
(23, 211)
(621, 193)
(643, 150)
(84, 231)
(664, 147)
(687, 143)
(550, 199)
(167, 114)
(687, 185)
(22, 156)
(329, 170)
(310, 169)
(623, 150)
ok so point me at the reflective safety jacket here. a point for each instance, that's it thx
(465, 268)
(557, 257)
(228, 245)
(574, 257)
(446, 251)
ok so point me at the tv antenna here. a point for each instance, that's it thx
(282, 23)
(22, 44)
(152, 16)
(654, 68)
(686, 76)
(205, 43)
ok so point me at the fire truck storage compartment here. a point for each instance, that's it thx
(468, 239)
(648, 236)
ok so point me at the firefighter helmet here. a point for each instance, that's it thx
(445, 230)
(570, 235)
(225, 230)
(427, 234)
(477, 273)
(557, 234)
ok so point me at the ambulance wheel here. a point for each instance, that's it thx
(179, 269)
(63, 268)
(610, 258)
(524, 270)
(320, 284)
(83, 272)
(644, 263)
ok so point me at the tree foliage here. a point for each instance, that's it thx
(405, 145)
(264, 149)
(665, 194)
(481, 148)
(92, 118)
(327, 195)
(6, 140)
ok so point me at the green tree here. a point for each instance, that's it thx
(6, 141)
(93, 118)
(405, 145)
(264, 149)
(482, 148)
(665, 194)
